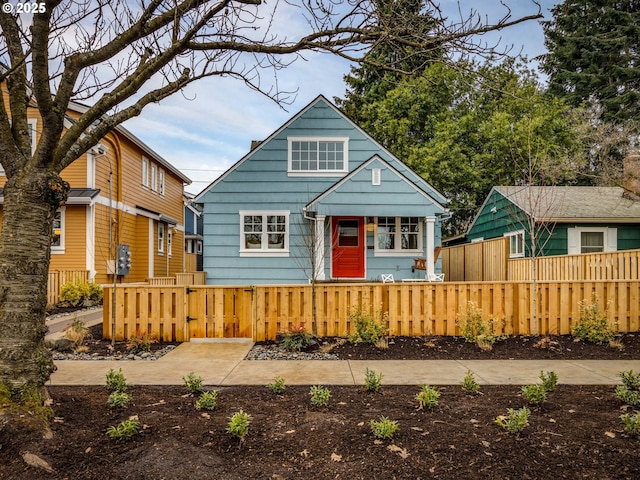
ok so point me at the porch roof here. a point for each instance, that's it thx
(375, 188)
(77, 196)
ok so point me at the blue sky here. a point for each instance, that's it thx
(207, 128)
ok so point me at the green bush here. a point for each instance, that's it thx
(515, 421)
(627, 396)
(296, 338)
(549, 380)
(593, 326)
(319, 396)
(116, 381)
(534, 394)
(239, 424)
(277, 386)
(383, 428)
(368, 328)
(631, 423)
(476, 330)
(118, 399)
(427, 397)
(630, 380)
(469, 383)
(193, 382)
(207, 400)
(372, 381)
(80, 294)
(125, 429)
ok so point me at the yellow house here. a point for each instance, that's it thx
(122, 194)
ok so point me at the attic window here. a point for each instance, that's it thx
(318, 155)
(375, 176)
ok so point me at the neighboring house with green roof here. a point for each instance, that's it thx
(579, 219)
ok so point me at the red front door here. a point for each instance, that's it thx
(348, 247)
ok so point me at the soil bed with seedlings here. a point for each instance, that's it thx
(576, 433)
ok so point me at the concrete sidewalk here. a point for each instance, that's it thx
(222, 363)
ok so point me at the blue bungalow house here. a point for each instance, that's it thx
(319, 198)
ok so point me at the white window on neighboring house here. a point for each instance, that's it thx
(199, 247)
(592, 240)
(169, 242)
(318, 155)
(264, 233)
(516, 243)
(145, 172)
(398, 235)
(154, 178)
(57, 241)
(161, 182)
(161, 238)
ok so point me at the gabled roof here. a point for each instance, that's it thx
(576, 204)
(337, 187)
(410, 174)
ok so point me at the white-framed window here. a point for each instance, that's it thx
(145, 172)
(400, 235)
(318, 155)
(154, 178)
(161, 182)
(169, 242)
(199, 247)
(592, 240)
(516, 243)
(161, 238)
(57, 241)
(264, 233)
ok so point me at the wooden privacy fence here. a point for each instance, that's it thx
(415, 309)
(189, 278)
(58, 278)
(489, 261)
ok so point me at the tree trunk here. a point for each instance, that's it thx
(30, 202)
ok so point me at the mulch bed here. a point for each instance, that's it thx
(576, 434)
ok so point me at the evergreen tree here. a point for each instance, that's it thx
(594, 56)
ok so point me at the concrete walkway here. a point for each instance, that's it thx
(222, 363)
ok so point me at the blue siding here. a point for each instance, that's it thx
(260, 182)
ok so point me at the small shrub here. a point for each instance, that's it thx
(319, 396)
(239, 424)
(193, 382)
(534, 394)
(116, 381)
(78, 332)
(549, 380)
(427, 397)
(469, 383)
(207, 400)
(383, 428)
(515, 421)
(593, 326)
(368, 328)
(628, 397)
(476, 330)
(296, 338)
(372, 381)
(125, 429)
(80, 294)
(631, 423)
(140, 342)
(630, 380)
(277, 386)
(118, 399)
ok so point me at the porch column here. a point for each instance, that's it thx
(319, 250)
(430, 223)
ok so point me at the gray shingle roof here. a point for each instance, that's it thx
(587, 204)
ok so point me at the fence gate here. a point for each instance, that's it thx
(214, 312)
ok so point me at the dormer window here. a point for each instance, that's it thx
(318, 155)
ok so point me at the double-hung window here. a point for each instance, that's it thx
(264, 233)
(161, 238)
(318, 155)
(57, 241)
(145, 172)
(516, 243)
(398, 235)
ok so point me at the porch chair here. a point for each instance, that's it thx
(434, 277)
(387, 278)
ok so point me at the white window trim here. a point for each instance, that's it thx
(318, 173)
(33, 125)
(574, 241)
(161, 182)
(399, 252)
(145, 172)
(154, 178)
(515, 234)
(59, 249)
(161, 235)
(169, 242)
(264, 252)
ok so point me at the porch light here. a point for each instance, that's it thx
(371, 225)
